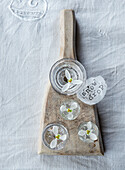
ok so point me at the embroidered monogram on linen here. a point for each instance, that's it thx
(28, 9)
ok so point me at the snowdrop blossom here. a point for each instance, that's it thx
(70, 81)
(88, 132)
(57, 137)
(69, 110)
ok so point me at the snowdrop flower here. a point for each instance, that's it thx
(70, 81)
(69, 110)
(57, 137)
(88, 132)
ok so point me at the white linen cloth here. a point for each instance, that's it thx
(27, 51)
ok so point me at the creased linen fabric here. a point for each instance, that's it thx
(27, 51)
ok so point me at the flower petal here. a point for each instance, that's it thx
(53, 143)
(63, 108)
(70, 116)
(89, 125)
(77, 82)
(67, 74)
(66, 87)
(93, 136)
(63, 137)
(74, 105)
(82, 132)
(55, 130)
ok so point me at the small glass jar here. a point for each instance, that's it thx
(55, 136)
(88, 132)
(70, 110)
(58, 78)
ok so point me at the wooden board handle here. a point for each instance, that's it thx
(67, 34)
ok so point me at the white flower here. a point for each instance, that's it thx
(88, 132)
(57, 137)
(69, 110)
(70, 81)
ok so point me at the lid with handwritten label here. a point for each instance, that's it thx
(93, 91)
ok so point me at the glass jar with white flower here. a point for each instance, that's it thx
(88, 132)
(55, 136)
(70, 110)
(67, 76)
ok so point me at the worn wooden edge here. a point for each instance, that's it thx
(100, 133)
(67, 34)
(43, 116)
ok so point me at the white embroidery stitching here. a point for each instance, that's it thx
(28, 10)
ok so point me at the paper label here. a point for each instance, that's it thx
(93, 91)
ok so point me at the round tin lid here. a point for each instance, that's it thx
(93, 91)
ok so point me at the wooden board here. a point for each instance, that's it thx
(53, 100)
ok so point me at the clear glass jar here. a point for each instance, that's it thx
(88, 132)
(70, 110)
(55, 136)
(58, 78)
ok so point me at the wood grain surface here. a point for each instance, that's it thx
(53, 101)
